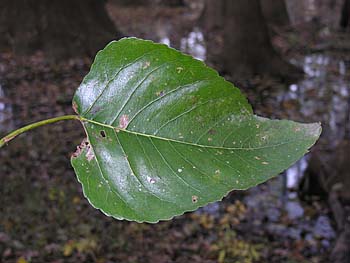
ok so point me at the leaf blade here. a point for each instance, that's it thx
(166, 143)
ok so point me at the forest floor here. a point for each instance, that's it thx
(45, 218)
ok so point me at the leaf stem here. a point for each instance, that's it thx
(19, 131)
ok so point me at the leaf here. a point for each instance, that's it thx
(21, 260)
(166, 134)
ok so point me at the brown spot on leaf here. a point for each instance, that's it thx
(212, 131)
(95, 110)
(194, 100)
(160, 93)
(103, 134)
(80, 148)
(84, 144)
(123, 121)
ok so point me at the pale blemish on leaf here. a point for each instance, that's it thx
(123, 121)
(179, 69)
(194, 199)
(160, 93)
(75, 107)
(89, 154)
(146, 65)
(151, 180)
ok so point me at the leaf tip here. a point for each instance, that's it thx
(313, 129)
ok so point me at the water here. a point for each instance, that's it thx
(323, 95)
(165, 40)
(296, 172)
(192, 44)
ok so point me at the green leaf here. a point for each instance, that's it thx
(166, 134)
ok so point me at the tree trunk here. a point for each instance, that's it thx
(149, 2)
(131, 2)
(345, 14)
(212, 18)
(247, 49)
(275, 12)
(61, 28)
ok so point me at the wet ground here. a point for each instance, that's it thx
(44, 217)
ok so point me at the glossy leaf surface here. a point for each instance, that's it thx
(166, 134)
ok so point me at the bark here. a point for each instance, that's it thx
(275, 12)
(246, 48)
(149, 2)
(61, 28)
(296, 10)
(345, 14)
(212, 17)
(170, 2)
(131, 2)
(331, 169)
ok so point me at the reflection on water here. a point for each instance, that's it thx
(295, 173)
(165, 40)
(323, 95)
(194, 44)
(6, 120)
(316, 65)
